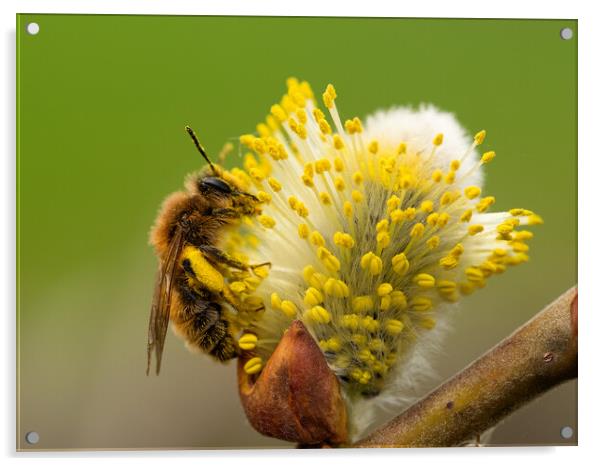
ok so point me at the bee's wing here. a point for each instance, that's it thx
(160, 309)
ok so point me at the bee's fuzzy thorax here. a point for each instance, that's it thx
(373, 231)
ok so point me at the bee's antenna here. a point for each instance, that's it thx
(200, 148)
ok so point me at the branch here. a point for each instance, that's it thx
(535, 358)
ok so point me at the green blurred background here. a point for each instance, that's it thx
(102, 102)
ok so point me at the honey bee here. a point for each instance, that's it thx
(190, 289)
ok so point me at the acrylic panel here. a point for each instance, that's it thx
(363, 222)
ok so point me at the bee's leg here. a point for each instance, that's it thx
(221, 257)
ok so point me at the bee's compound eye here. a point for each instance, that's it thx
(217, 184)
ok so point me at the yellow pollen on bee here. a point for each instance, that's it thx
(247, 341)
(400, 263)
(394, 326)
(372, 263)
(384, 289)
(357, 196)
(488, 157)
(336, 288)
(373, 147)
(480, 137)
(438, 139)
(253, 365)
(344, 240)
(266, 221)
(338, 143)
(420, 304)
(237, 287)
(424, 280)
(472, 192)
(318, 314)
(288, 308)
(475, 229)
(437, 176)
(433, 242)
(312, 297)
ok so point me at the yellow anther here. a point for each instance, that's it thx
(357, 196)
(457, 250)
(480, 137)
(443, 219)
(417, 230)
(385, 303)
(324, 127)
(383, 225)
(318, 114)
(328, 259)
(303, 230)
(334, 344)
(274, 184)
(454, 165)
(293, 202)
(323, 165)
(316, 239)
(534, 220)
(301, 115)
(247, 140)
(393, 203)
(485, 203)
(383, 239)
(344, 240)
(372, 263)
(384, 289)
(350, 321)
(505, 228)
(358, 125)
(289, 308)
(369, 323)
(523, 235)
(402, 148)
(330, 90)
(362, 304)
(466, 216)
(262, 272)
(406, 181)
(318, 314)
(517, 246)
(398, 299)
(308, 272)
(432, 219)
(307, 180)
(433, 242)
(474, 274)
(266, 221)
(358, 177)
(301, 210)
(397, 215)
(350, 126)
(325, 198)
(264, 197)
(438, 139)
(347, 209)
(446, 198)
(448, 262)
(427, 323)
(339, 183)
(400, 263)
(312, 297)
(259, 146)
(377, 345)
(328, 100)
(420, 304)
(487, 157)
(450, 177)
(263, 130)
(437, 176)
(475, 229)
(426, 206)
(516, 212)
(424, 280)
(276, 301)
(394, 326)
(237, 287)
(336, 288)
(446, 286)
(271, 122)
(247, 341)
(253, 365)
(472, 191)
(373, 147)
(338, 144)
